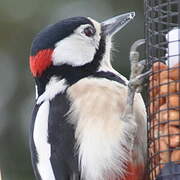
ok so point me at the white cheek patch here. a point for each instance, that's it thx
(77, 49)
(73, 51)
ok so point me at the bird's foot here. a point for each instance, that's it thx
(137, 76)
(135, 85)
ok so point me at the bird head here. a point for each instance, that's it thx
(74, 45)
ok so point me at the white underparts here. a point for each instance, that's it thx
(103, 137)
(40, 136)
(54, 87)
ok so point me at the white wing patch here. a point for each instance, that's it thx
(54, 87)
(40, 136)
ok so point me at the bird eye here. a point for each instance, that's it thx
(89, 31)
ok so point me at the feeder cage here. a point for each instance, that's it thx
(162, 34)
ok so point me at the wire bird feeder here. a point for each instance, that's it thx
(162, 29)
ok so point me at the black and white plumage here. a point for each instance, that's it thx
(77, 129)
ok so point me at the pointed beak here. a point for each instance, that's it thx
(113, 25)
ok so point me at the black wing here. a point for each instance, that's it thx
(64, 158)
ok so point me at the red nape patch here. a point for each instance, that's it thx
(134, 172)
(40, 62)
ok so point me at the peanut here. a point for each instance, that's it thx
(166, 115)
(154, 88)
(177, 86)
(173, 136)
(171, 73)
(161, 145)
(152, 151)
(163, 75)
(170, 115)
(167, 86)
(173, 100)
(175, 156)
(159, 66)
(175, 73)
(156, 130)
(154, 106)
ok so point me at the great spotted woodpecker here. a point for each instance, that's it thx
(78, 129)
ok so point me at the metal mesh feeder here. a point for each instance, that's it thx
(162, 31)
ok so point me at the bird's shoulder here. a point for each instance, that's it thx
(99, 84)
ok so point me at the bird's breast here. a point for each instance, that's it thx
(96, 109)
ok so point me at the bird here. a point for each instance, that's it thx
(78, 129)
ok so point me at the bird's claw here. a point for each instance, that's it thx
(136, 77)
(136, 82)
(137, 67)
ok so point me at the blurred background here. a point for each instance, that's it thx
(20, 20)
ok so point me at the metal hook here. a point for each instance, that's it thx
(134, 54)
(136, 44)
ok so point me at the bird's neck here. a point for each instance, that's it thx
(59, 78)
(69, 73)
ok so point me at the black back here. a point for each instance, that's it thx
(64, 157)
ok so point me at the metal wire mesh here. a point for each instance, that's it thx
(162, 28)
